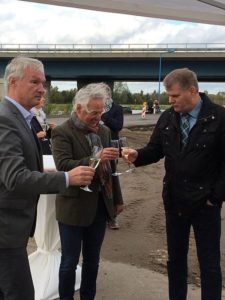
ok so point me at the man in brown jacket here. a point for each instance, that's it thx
(82, 217)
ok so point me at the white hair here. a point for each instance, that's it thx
(91, 91)
(17, 66)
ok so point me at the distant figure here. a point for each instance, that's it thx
(150, 107)
(143, 111)
(155, 107)
(42, 128)
(113, 119)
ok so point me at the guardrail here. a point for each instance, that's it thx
(79, 48)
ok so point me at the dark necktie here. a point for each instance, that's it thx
(185, 127)
(33, 130)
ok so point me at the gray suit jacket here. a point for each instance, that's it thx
(71, 149)
(21, 178)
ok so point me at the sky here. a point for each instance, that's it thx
(33, 23)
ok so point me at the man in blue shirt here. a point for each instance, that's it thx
(191, 137)
(22, 179)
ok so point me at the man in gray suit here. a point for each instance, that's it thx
(21, 176)
(82, 215)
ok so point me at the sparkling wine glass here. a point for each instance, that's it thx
(44, 128)
(94, 161)
(125, 150)
(116, 144)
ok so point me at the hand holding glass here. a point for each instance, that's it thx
(94, 161)
(115, 144)
(44, 128)
(125, 151)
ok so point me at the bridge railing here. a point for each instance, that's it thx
(79, 48)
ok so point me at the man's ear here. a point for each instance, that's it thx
(193, 90)
(12, 80)
(78, 108)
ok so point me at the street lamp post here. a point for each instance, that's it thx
(160, 71)
(160, 74)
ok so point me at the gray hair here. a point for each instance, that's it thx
(17, 66)
(184, 77)
(93, 90)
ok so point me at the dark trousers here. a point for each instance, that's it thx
(206, 225)
(73, 239)
(15, 277)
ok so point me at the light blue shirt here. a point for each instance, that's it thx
(26, 113)
(193, 114)
(28, 117)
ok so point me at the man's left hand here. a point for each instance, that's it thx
(109, 154)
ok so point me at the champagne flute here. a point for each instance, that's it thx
(125, 150)
(115, 144)
(94, 161)
(44, 128)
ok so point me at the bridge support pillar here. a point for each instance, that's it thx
(83, 82)
(2, 89)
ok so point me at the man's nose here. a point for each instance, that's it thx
(41, 88)
(170, 100)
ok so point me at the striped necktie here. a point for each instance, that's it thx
(185, 127)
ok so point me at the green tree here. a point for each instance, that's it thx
(121, 93)
(62, 97)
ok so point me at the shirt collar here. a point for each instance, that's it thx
(195, 111)
(28, 115)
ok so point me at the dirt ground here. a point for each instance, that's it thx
(141, 239)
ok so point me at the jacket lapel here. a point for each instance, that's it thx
(23, 124)
(80, 137)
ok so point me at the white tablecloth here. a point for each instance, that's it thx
(44, 262)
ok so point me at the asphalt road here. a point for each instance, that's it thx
(129, 120)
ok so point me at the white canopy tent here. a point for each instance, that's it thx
(200, 11)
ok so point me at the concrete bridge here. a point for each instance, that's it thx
(114, 62)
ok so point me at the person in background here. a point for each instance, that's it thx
(82, 215)
(113, 119)
(150, 107)
(42, 128)
(156, 108)
(143, 110)
(191, 137)
(21, 175)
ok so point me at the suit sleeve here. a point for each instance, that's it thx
(218, 193)
(18, 163)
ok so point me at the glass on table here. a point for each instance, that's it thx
(94, 161)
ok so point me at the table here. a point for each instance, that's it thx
(44, 262)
